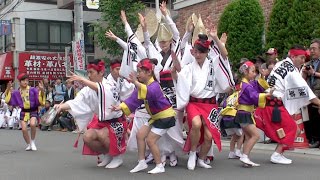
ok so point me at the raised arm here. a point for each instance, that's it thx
(214, 35)
(109, 34)
(146, 35)
(86, 82)
(169, 21)
(126, 24)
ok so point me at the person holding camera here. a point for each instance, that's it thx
(311, 72)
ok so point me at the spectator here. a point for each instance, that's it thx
(59, 91)
(70, 92)
(46, 108)
(272, 54)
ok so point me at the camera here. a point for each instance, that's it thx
(308, 67)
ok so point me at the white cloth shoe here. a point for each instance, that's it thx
(192, 160)
(173, 159)
(142, 165)
(105, 160)
(149, 158)
(238, 153)
(115, 162)
(246, 161)
(158, 169)
(278, 159)
(33, 146)
(289, 160)
(28, 148)
(202, 164)
(232, 155)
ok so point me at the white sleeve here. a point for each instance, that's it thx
(223, 75)
(173, 27)
(183, 86)
(80, 109)
(122, 43)
(146, 37)
(184, 40)
(126, 89)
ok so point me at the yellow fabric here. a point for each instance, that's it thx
(25, 96)
(8, 97)
(42, 98)
(143, 90)
(263, 83)
(125, 109)
(229, 111)
(160, 115)
(262, 100)
(248, 108)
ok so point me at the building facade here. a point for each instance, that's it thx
(212, 8)
(40, 33)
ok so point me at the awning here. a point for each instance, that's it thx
(6, 69)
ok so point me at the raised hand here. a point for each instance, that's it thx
(142, 22)
(191, 27)
(75, 77)
(224, 38)
(213, 33)
(123, 16)
(176, 63)
(133, 77)
(163, 8)
(208, 22)
(109, 34)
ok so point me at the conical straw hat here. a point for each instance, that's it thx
(192, 19)
(152, 25)
(163, 33)
(198, 29)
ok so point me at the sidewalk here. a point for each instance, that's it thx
(271, 147)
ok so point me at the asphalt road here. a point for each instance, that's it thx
(57, 159)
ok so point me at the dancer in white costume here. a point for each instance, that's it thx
(96, 98)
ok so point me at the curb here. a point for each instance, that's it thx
(271, 147)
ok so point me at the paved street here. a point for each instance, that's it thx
(57, 159)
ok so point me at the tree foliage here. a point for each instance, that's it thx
(293, 22)
(110, 20)
(243, 21)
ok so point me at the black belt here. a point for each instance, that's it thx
(211, 100)
(29, 110)
(121, 118)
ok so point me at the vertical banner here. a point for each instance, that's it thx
(5, 27)
(67, 61)
(78, 55)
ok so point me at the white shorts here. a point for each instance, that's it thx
(232, 131)
(157, 131)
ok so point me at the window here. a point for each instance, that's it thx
(88, 40)
(48, 35)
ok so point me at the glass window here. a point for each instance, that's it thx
(43, 33)
(55, 33)
(48, 35)
(66, 33)
(31, 28)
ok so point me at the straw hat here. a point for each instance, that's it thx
(152, 25)
(163, 33)
(198, 29)
(192, 19)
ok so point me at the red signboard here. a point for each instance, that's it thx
(43, 65)
(6, 70)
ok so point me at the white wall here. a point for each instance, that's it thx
(44, 12)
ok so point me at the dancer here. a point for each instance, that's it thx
(107, 133)
(291, 93)
(28, 99)
(251, 95)
(149, 93)
(197, 85)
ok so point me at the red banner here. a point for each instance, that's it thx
(43, 65)
(6, 69)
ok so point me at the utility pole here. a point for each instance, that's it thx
(79, 30)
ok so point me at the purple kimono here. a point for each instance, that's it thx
(15, 99)
(157, 105)
(251, 96)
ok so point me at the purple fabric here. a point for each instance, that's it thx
(249, 94)
(16, 99)
(155, 97)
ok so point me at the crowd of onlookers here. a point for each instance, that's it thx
(56, 92)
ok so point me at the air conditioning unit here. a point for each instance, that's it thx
(89, 57)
